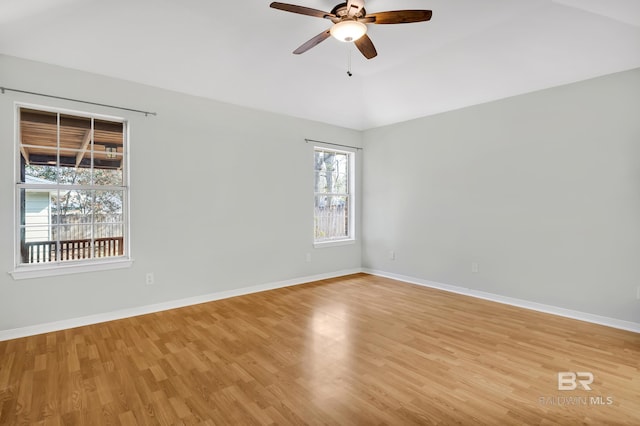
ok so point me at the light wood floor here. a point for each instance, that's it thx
(356, 350)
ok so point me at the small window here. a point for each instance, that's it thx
(72, 192)
(333, 209)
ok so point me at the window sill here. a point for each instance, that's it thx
(39, 271)
(334, 243)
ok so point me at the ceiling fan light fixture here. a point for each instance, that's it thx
(348, 30)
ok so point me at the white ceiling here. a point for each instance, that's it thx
(472, 51)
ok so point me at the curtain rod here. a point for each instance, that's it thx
(334, 144)
(146, 113)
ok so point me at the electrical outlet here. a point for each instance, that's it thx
(638, 293)
(149, 279)
(308, 257)
(475, 267)
(392, 255)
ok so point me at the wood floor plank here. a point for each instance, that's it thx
(347, 351)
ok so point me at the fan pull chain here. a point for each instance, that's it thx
(349, 49)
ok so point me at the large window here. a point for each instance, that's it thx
(333, 217)
(72, 192)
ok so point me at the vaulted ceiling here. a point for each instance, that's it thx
(472, 51)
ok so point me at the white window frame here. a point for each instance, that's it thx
(26, 271)
(351, 193)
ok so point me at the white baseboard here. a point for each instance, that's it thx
(549, 309)
(158, 307)
(173, 304)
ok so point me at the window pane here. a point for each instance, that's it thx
(78, 160)
(58, 223)
(341, 173)
(34, 225)
(37, 233)
(331, 170)
(74, 238)
(36, 244)
(108, 220)
(74, 227)
(109, 240)
(39, 141)
(42, 173)
(331, 217)
(109, 204)
(109, 151)
(75, 141)
(67, 204)
(113, 177)
(69, 174)
(73, 213)
(35, 207)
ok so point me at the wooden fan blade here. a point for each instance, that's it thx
(301, 10)
(366, 47)
(313, 42)
(398, 17)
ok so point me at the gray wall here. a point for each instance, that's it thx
(221, 198)
(541, 190)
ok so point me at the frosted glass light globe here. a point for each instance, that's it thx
(348, 30)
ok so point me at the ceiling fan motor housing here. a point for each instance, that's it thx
(340, 10)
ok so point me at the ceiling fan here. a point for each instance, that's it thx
(349, 23)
